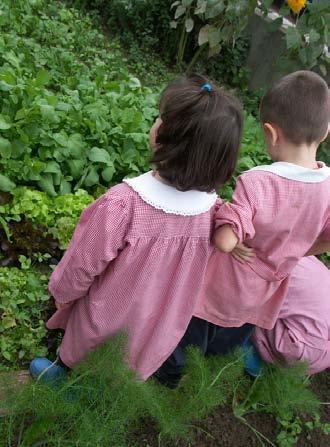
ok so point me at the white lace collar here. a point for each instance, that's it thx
(169, 199)
(295, 172)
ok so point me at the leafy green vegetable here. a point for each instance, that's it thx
(67, 110)
(23, 305)
(59, 215)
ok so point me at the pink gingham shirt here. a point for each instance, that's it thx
(279, 210)
(302, 331)
(136, 262)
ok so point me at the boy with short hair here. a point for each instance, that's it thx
(279, 210)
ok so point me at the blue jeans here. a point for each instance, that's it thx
(209, 338)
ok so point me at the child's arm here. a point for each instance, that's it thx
(225, 239)
(97, 239)
(234, 220)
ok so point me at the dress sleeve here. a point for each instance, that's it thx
(98, 237)
(239, 212)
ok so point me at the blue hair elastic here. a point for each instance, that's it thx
(208, 87)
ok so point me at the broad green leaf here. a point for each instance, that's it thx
(274, 25)
(303, 56)
(284, 10)
(203, 36)
(180, 10)
(108, 173)
(267, 3)
(63, 106)
(92, 177)
(21, 114)
(5, 148)
(5, 87)
(65, 187)
(314, 36)
(214, 36)
(18, 148)
(61, 138)
(57, 179)
(134, 83)
(99, 155)
(201, 7)
(187, 3)
(213, 10)
(42, 78)
(8, 322)
(6, 184)
(4, 122)
(7, 355)
(76, 167)
(53, 167)
(46, 184)
(48, 113)
(35, 169)
(75, 145)
(293, 37)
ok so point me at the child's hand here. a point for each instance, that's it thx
(243, 254)
(60, 306)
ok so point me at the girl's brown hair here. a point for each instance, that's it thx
(199, 138)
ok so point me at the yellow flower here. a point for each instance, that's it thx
(296, 5)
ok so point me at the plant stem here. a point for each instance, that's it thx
(256, 432)
(202, 430)
(20, 434)
(223, 369)
(196, 56)
(182, 45)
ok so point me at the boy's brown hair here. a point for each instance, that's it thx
(199, 138)
(299, 104)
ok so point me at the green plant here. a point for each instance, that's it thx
(290, 430)
(102, 398)
(308, 39)
(58, 215)
(139, 22)
(282, 392)
(23, 305)
(70, 114)
(214, 22)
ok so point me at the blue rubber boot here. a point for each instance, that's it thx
(45, 371)
(252, 359)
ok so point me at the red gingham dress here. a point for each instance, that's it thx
(279, 210)
(136, 262)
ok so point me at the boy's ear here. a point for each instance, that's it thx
(271, 132)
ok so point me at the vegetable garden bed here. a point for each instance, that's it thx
(74, 121)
